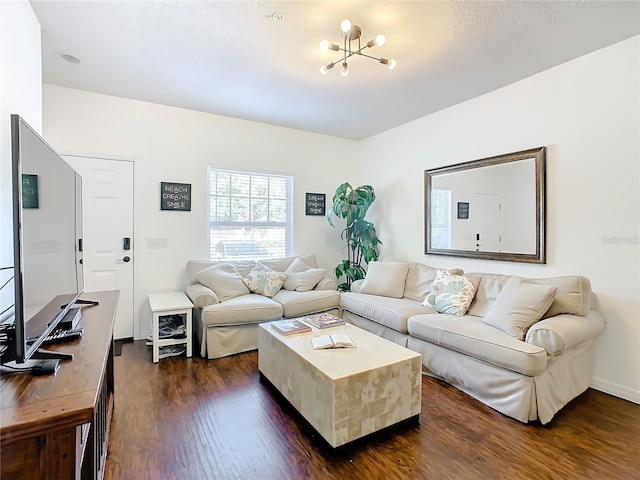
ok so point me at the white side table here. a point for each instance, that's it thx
(164, 304)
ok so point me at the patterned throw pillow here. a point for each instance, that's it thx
(450, 294)
(264, 281)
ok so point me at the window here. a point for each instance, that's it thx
(440, 218)
(250, 215)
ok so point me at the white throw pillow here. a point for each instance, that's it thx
(224, 280)
(386, 279)
(450, 293)
(519, 306)
(264, 281)
(302, 277)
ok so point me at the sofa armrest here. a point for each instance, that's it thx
(326, 284)
(356, 285)
(201, 296)
(564, 332)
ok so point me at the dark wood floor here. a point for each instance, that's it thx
(197, 419)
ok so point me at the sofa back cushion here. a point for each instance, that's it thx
(246, 266)
(196, 266)
(489, 287)
(419, 281)
(281, 264)
(573, 296)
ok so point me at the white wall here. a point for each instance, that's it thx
(587, 114)
(21, 93)
(176, 145)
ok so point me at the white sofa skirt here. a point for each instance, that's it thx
(513, 394)
(519, 396)
(224, 340)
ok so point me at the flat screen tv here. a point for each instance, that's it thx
(47, 232)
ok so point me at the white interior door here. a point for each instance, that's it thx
(107, 200)
(487, 215)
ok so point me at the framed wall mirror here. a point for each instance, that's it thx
(492, 208)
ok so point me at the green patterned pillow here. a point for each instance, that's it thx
(451, 293)
(264, 281)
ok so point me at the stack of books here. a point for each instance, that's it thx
(323, 320)
(290, 327)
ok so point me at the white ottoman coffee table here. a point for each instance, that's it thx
(344, 394)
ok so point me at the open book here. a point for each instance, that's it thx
(337, 340)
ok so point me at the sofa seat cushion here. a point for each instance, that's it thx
(390, 312)
(470, 336)
(295, 304)
(250, 308)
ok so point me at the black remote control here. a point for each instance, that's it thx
(59, 336)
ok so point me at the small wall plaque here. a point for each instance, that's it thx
(175, 196)
(315, 204)
(463, 210)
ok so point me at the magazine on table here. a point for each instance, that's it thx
(323, 320)
(290, 326)
(337, 340)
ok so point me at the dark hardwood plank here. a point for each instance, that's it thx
(213, 419)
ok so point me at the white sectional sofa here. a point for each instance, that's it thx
(528, 378)
(227, 312)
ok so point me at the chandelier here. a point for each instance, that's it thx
(352, 33)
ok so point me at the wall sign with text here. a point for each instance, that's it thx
(463, 210)
(175, 196)
(315, 203)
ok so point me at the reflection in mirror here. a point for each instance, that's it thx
(491, 208)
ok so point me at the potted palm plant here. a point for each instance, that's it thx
(360, 235)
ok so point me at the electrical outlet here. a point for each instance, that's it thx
(157, 243)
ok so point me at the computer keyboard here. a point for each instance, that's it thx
(59, 336)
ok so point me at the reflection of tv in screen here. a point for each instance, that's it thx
(47, 228)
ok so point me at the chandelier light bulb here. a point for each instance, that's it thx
(344, 71)
(345, 26)
(380, 39)
(324, 45)
(392, 64)
(323, 70)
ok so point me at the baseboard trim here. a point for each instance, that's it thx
(616, 390)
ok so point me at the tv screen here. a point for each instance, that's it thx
(47, 217)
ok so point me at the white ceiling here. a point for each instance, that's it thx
(231, 58)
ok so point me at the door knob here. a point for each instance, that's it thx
(124, 259)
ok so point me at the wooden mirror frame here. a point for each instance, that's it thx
(539, 157)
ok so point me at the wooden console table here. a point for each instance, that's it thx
(57, 426)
